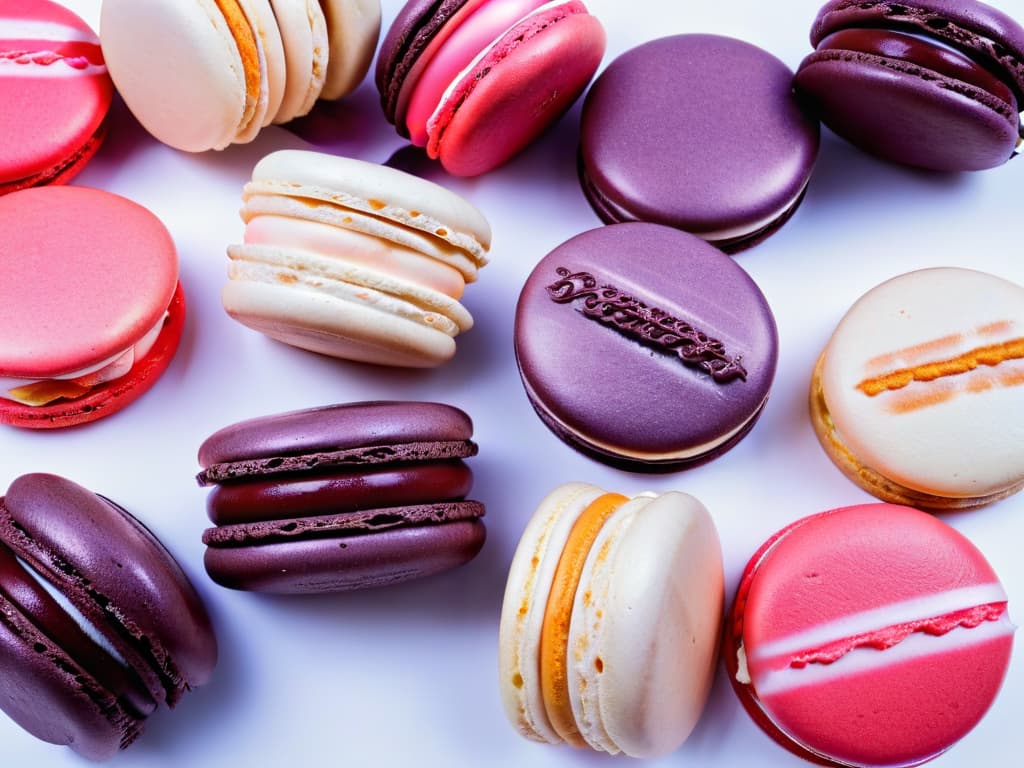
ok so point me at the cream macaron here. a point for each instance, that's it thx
(919, 394)
(203, 74)
(611, 620)
(354, 260)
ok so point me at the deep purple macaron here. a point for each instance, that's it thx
(698, 132)
(117, 582)
(340, 497)
(645, 347)
(935, 84)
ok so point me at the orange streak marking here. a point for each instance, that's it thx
(990, 355)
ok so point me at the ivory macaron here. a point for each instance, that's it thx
(918, 396)
(611, 620)
(354, 260)
(238, 65)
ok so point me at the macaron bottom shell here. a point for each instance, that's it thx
(111, 397)
(873, 481)
(326, 564)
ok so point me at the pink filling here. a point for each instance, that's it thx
(485, 25)
(890, 636)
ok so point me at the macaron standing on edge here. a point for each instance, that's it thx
(611, 620)
(340, 497)
(645, 347)
(56, 94)
(91, 310)
(100, 625)
(921, 405)
(354, 260)
(873, 635)
(475, 81)
(698, 132)
(936, 84)
(238, 65)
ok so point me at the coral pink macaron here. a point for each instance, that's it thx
(55, 92)
(873, 635)
(91, 310)
(475, 81)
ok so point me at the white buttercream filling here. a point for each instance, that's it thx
(109, 369)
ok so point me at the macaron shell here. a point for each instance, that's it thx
(976, 26)
(303, 31)
(273, 63)
(50, 697)
(954, 436)
(353, 27)
(111, 397)
(906, 706)
(358, 562)
(119, 575)
(726, 161)
(55, 90)
(198, 103)
(514, 92)
(522, 612)
(900, 113)
(335, 427)
(414, 27)
(671, 412)
(376, 190)
(644, 640)
(336, 327)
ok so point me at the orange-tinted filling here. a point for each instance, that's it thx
(991, 355)
(245, 39)
(554, 640)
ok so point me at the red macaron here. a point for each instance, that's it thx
(873, 635)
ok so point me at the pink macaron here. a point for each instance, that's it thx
(873, 635)
(475, 81)
(91, 310)
(55, 93)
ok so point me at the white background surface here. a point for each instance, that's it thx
(407, 675)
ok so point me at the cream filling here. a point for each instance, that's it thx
(113, 367)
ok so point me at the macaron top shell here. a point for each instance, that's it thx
(872, 635)
(86, 274)
(924, 381)
(335, 427)
(699, 132)
(636, 365)
(54, 87)
(353, 27)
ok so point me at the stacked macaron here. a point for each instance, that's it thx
(354, 260)
(474, 81)
(340, 497)
(611, 619)
(935, 84)
(238, 65)
(55, 90)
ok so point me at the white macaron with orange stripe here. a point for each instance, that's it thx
(919, 394)
(611, 620)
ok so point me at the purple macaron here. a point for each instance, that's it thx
(698, 132)
(340, 497)
(127, 632)
(935, 84)
(645, 347)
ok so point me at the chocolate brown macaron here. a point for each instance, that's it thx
(98, 623)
